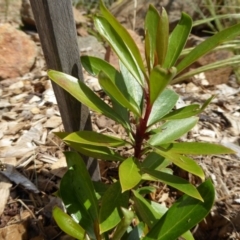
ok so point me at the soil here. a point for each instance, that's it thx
(32, 169)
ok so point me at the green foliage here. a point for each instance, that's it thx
(139, 93)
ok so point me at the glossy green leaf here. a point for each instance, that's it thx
(99, 152)
(173, 181)
(110, 213)
(67, 224)
(162, 36)
(136, 233)
(117, 43)
(82, 184)
(183, 162)
(172, 130)
(151, 29)
(75, 208)
(188, 111)
(184, 112)
(184, 214)
(132, 51)
(92, 138)
(159, 208)
(129, 168)
(124, 224)
(177, 40)
(115, 93)
(155, 161)
(146, 190)
(158, 81)
(134, 89)
(100, 189)
(144, 210)
(197, 148)
(162, 106)
(84, 94)
(94, 65)
(187, 236)
(209, 44)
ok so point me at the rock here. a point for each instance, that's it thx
(18, 52)
(93, 83)
(220, 75)
(89, 45)
(53, 122)
(191, 88)
(103, 122)
(27, 14)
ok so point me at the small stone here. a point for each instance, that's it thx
(207, 133)
(53, 122)
(16, 85)
(34, 99)
(102, 122)
(93, 83)
(191, 87)
(35, 110)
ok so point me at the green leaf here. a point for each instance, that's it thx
(117, 43)
(75, 208)
(84, 94)
(162, 105)
(100, 189)
(177, 40)
(91, 138)
(172, 130)
(134, 89)
(145, 211)
(111, 89)
(197, 148)
(162, 36)
(136, 233)
(130, 56)
(110, 213)
(159, 79)
(94, 65)
(188, 111)
(67, 224)
(173, 181)
(128, 168)
(187, 236)
(146, 190)
(82, 184)
(124, 224)
(100, 152)
(184, 214)
(151, 29)
(184, 112)
(183, 162)
(209, 44)
(155, 161)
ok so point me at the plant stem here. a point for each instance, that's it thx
(141, 128)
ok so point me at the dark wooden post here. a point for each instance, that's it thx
(56, 27)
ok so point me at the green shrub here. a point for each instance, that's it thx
(140, 97)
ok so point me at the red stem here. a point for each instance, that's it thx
(141, 128)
